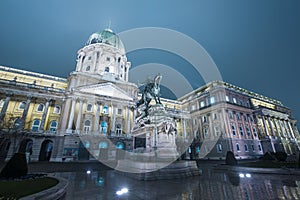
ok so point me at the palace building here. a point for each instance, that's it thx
(44, 116)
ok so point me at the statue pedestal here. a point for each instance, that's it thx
(155, 152)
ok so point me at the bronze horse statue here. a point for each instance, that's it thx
(151, 91)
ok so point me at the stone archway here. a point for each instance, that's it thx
(46, 150)
(4, 148)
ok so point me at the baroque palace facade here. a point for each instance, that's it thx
(44, 116)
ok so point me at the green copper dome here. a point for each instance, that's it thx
(106, 36)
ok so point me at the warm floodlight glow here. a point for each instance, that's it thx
(248, 175)
(88, 172)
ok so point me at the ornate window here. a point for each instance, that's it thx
(252, 146)
(205, 132)
(204, 119)
(217, 130)
(238, 116)
(120, 111)
(87, 126)
(106, 69)
(22, 105)
(105, 109)
(17, 123)
(36, 125)
(53, 126)
(40, 108)
(254, 132)
(212, 100)
(202, 104)
(89, 108)
(234, 100)
(230, 114)
(88, 68)
(119, 129)
(56, 109)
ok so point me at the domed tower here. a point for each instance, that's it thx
(102, 58)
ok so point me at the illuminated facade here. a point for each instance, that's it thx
(43, 115)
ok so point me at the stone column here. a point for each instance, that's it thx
(290, 128)
(276, 127)
(95, 61)
(128, 120)
(42, 127)
(96, 126)
(113, 121)
(65, 114)
(184, 128)
(78, 121)
(4, 108)
(271, 127)
(24, 114)
(265, 126)
(72, 114)
(224, 116)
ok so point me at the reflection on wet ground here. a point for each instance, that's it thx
(211, 185)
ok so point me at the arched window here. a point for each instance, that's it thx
(40, 108)
(238, 147)
(120, 145)
(87, 125)
(22, 105)
(105, 109)
(102, 145)
(17, 123)
(88, 68)
(36, 125)
(53, 126)
(246, 147)
(119, 129)
(259, 147)
(56, 109)
(103, 127)
(89, 108)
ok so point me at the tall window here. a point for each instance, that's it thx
(252, 146)
(254, 132)
(202, 104)
(105, 109)
(238, 116)
(87, 126)
(233, 129)
(217, 130)
(234, 100)
(246, 147)
(230, 114)
(56, 110)
(204, 119)
(227, 98)
(119, 129)
(215, 116)
(241, 130)
(40, 108)
(53, 126)
(89, 107)
(205, 132)
(212, 100)
(248, 130)
(219, 148)
(36, 125)
(22, 105)
(259, 147)
(17, 123)
(238, 147)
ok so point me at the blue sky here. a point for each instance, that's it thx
(255, 44)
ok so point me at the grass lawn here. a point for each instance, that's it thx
(269, 164)
(20, 188)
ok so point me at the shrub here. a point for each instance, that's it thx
(267, 156)
(281, 156)
(230, 159)
(15, 167)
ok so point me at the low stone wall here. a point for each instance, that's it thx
(57, 192)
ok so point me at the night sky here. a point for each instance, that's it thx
(255, 44)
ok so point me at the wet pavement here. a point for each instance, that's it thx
(92, 180)
(212, 184)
